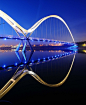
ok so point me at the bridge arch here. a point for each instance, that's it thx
(20, 29)
(50, 16)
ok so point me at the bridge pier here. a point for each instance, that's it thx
(17, 49)
(24, 46)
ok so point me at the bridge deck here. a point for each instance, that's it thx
(37, 39)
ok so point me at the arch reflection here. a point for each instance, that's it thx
(22, 70)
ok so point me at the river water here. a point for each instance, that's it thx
(52, 67)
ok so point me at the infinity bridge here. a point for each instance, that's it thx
(22, 68)
(20, 30)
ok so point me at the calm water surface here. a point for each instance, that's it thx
(51, 70)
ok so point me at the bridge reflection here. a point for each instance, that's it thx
(25, 68)
(32, 60)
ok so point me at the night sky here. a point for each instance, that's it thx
(28, 12)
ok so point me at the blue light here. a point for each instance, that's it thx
(16, 64)
(55, 55)
(4, 38)
(43, 58)
(38, 59)
(25, 62)
(58, 55)
(48, 57)
(22, 65)
(4, 66)
(9, 67)
(30, 63)
(75, 51)
(43, 40)
(32, 60)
